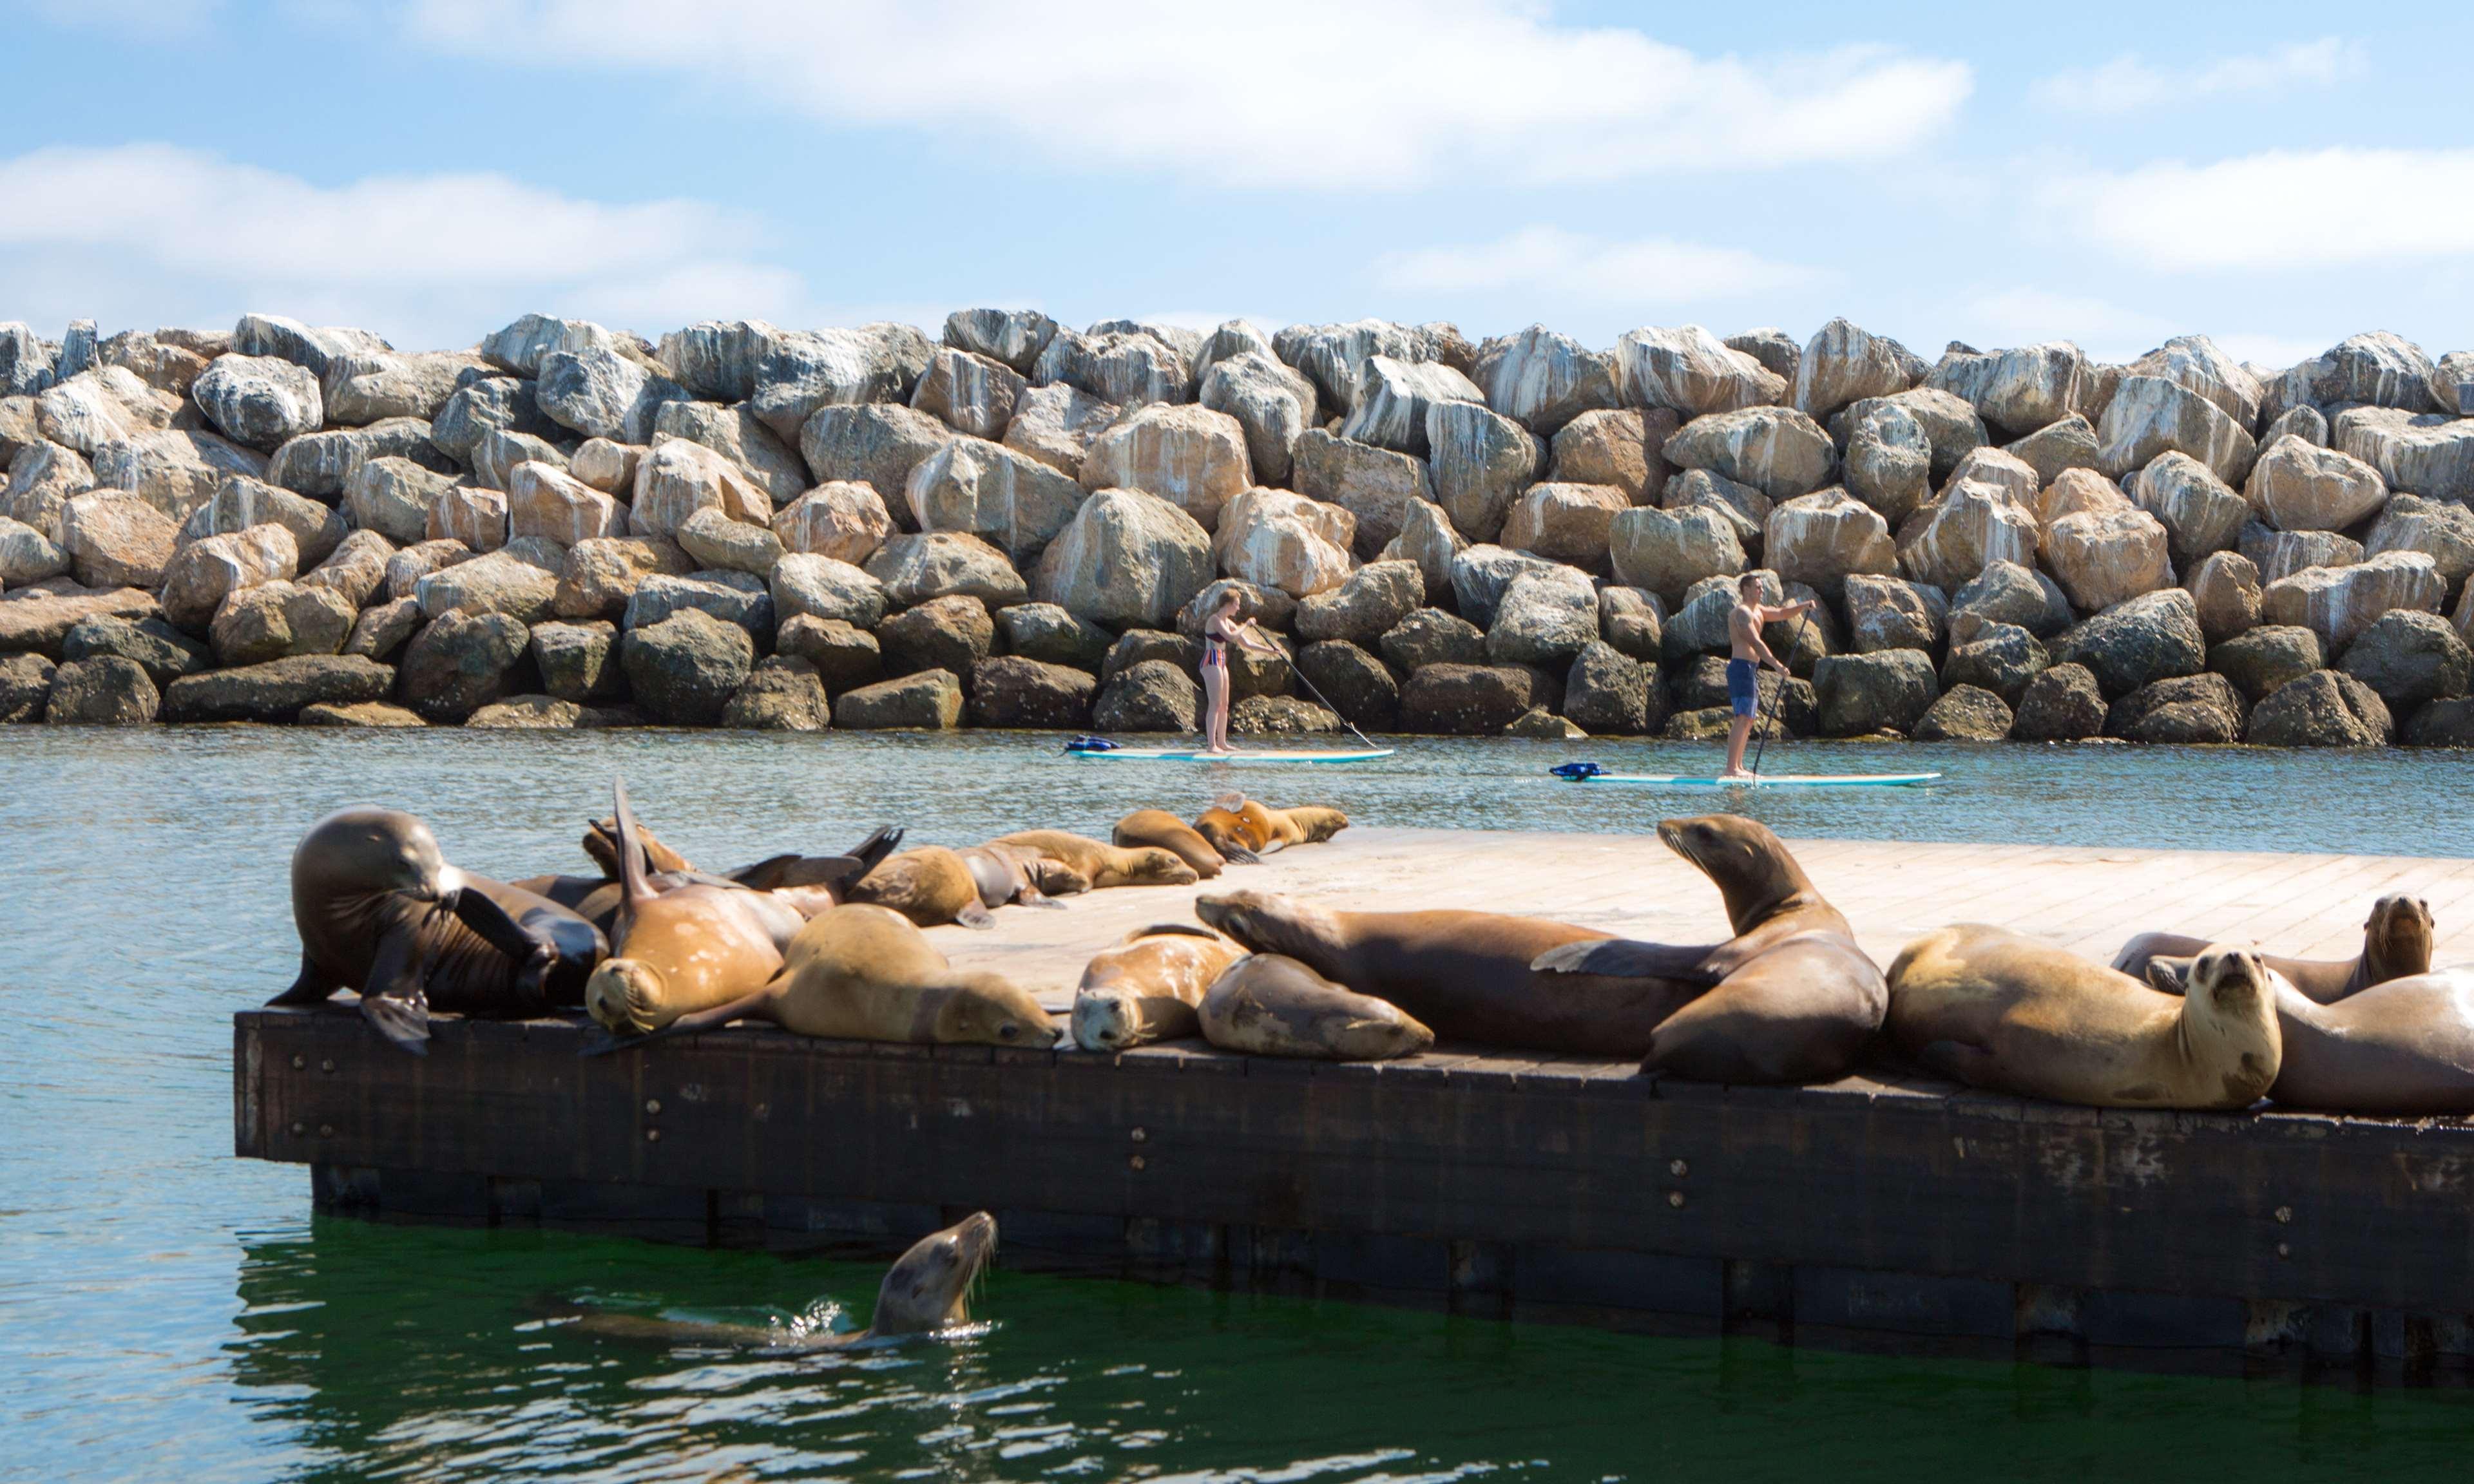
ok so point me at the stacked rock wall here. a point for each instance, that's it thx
(1019, 524)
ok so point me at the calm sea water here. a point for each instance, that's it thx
(167, 1311)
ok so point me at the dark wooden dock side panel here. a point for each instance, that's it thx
(1497, 1183)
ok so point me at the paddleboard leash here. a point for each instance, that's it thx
(1778, 703)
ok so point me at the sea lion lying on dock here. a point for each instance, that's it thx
(680, 950)
(806, 884)
(926, 1292)
(1997, 1010)
(1145, 988)
(1266, 1004)
(2402, 1046)
(1790, 998)
(2396, 943)
(931, 886)
(1015, 874)
(1102, 863)
(1165, 830)
(863, 973)
(380, 912)
(1245, 829)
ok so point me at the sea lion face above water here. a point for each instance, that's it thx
(929, 1287)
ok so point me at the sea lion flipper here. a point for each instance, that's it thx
(481, 913)
(401, 1018)
(311, 987)
(971, 914)
(1233, 851)
(1627, 958)
(2168, 972)
(742, 1008)
(871, 851)
(1035, 898)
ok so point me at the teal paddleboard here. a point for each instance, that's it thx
(1765, 780)
(1242, 755)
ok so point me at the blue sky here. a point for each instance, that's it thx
(2275, 175)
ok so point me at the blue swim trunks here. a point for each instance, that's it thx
(1744, 686)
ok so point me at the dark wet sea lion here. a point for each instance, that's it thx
(675, 951)
(1160, 828)
(863, 973)
(1466, 976)
(931, 886)
(1009, 874)
(1102, 864)
(2403, 1046)
(1790, 997)
(1267, 1004)
(1145, 985)
(381, 913)
(926, 1292)
(807, 884)
(2396, 943)
(1997, 1010)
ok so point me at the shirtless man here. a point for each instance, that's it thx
(1743, 669)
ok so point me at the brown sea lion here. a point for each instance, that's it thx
(680, 950)
(380, 912)
(1105, 865)
(1790, 997)
(1012, 874)
(1994, 1009)
(1307, 823)
(1146, 986)
(1160, 828)
(931, 886)
(1229, 831)
(1268, 1005)
(926, 1292)
(1466, 976)
(864, 972)
(807, 884)
(2403, 1046)
(2396, 941)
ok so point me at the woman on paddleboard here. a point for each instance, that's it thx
(1221, 629)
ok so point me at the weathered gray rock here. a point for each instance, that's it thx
(2103, 558)
(27, 361)
(276, 691)
(1481, 462)
(491, 404)
(319, 463)
(1374, 484)
(806, 371)
(2188, 710)
(712, 540)
(276, 620)
(2225, 589)
(1331, 354)
(1127, 367)
(2325, 708)
(740, 435)
(1632, 620)
(1366, 607)
(205, 571)
(2136, 643)
(876, 445)
(600, 392)
(2062, 703)
(2304, 422)
(2441, 530)
(683, 669)
(1427, 540)
(915, 568)
(1540, 724)
(499, 582)
(383, 628)
(2017, 391)
(2409, 658)
(1611, 693)
(2150, 415)
(1544, 618)
(677, 478)
(2002, 658)
(500, 450)
(2278, 553)
(1745, 509)
(600, 576)
(1780, 353)
(1432, 636)
(1273, 405)
(164, 653)
(738, 598)
(240, 503)
(405, 569)
(1285, 541)
(1014, 691)
(1150, 695)
(930, 701)
(2067, 444)
(2339, 603)
(2442, 724)
(1012, 337)
(524, 344)
(2377, 368)
(1667, 551)
(541, 501)
(1972, 526)
(173, 469)
(402, 386)
(1238, 336)
(1543, 380)
(2420, 455)
(1394, 398)
(1885, 612)
(844, 519)
(782, 694)
(1047, 633)
(25, 679)
(1888, 459)
(1886, 691)
(1843, 364)
(459, 663)
(2201, 514)
(844, 655)
(2300, 487)
(826, 587)
(1692, 372)
(1821, 539)
(1567, 524)
(1126, 559)
(1481, 574)
(93, 408)
(116, 540)
(260, 401)
(579, 663)
(28, 556)
(1464, 700)
(719, 359)
(1056, 425)
(1360, 687)
(2452, 383)
(1966, 713)
(470, 517)
(1777, 451)
(974, 487)
(2259, 661)
(104, 691)
(2193, 363)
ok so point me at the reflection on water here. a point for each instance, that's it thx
(168, 1312)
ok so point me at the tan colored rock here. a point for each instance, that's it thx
(1008, 499)
(205, 572)
(42, 478)
(1777, 451)
(606, 466)
(2069, 443)
(676, 478)
(1822, 538)
(740, 435)
(555, 506)
(1565, 523)
(2079, 492)
(1741, 505)
(2441, 530)
(1888, 459)
(2107, 555)
(97, 407)
(1192, 457)
(28, 556)
(1968, 528)
(2226, 591)
(1056, 426)
(2193, 363)
(1128, 560)
(715, 541)
(2150, 415)
(116, 540)
(1625, 447)
(916, 569)
(476, 516)
(2201, 514)
(1481, 462)
(843, 519)
(1273, 538)
(2283, 553)
(498, 581)
(1427, 540)
(393, 498)
(1374, 484)
(278, 620)
(821, 589)
(970, 393)
(2296, 486)
(1273, 403)
(2002, 471)
(356, 567)
(2428, 456)
(1842, 363)
(1692, 372)
(2338, 603)
(601, 575)
(1667, 551)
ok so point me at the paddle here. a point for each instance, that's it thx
(1778, 701)
(1333, 709)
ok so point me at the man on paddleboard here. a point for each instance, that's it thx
(1750, 655)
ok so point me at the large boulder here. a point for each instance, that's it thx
(806, 372)
(782, 694)
(1330, 354)
(1611, 693)
(240, 502)
(468, 515)
(2002, 658)
(260, 401)
(915, 568)
(2150, 415)
(739, 435)
(320, 463)
(2002, 470)
(970, 393)
(39, 618)
(712, 540)
(28, 556)
(1056, 425)
(2062, 703)
(1013, 502)
(1432, 636)
(2339, 603)
(2409, 658)
(2429, 456)
(94, 408)
(2068, 444)
(164, 653)
(556, 506)
(738, 598)
(1965, 713)
(1888, 459)
(600, 392)
(1745, 509)
(205, 571)
(276, 691)
(459, 663)
(1126, 559)
(1624, 446)
(930, 701)
(608, 465)
(1546, 618)
(1692, 372)
(500, 582)
(2201, 514)
(2103, 558)
(402, 386)
(25, 687)
(677, 478)
(1777, 451)
(1271, 404)
(1192, 457)
(942, 634)
(579, 663)
(2296, 486)
(1481, 462)
(1047, 633)
(1129, 366)
(600, 576)
(2261, 659)
(1374, 484)
(2020, 389)
(2381, 369)
(2226, 591)
(683, 669)
(875, 444)
(488, 405)
(1427, 540)
(1543, 379)
(2136, 643)
(42, 478)
(1011, 690)
(1361, 688)
(844, 655)
(1778, 353)
(382, 628)
(1149, 695)
(2188, 709)
(1890, 690)
(1466, 699)
(2278, 553)
(1365, 607)
(1632, 620)
(1843, 364)
(1885, 612)
(104, 691)
(393, 498)
(1566, 523)
(1393, 397)
(116, 540)
(2441, 530)
(525, 343)
(2193, 363)
(1821, 539)
(2325, 708)
(1012, 337)
(1970, 528)
(1286, 542)
(844, 519)
(500, 450)
(1480, 575)
(1667, 551)
(174, 468)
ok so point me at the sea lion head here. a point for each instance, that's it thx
(1269, 923)
(982, 1009)
(1150, 865)
(1749, 865)
(2396, 940)
(929, 1287)
(622, 994)
(370, 852)
(2230, 1009)
(1105, 1020)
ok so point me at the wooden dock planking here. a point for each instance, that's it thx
(2086, 900)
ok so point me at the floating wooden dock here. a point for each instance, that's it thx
(1884, 1210)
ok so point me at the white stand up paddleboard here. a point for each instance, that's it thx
(1241, 755)
(1760, 780)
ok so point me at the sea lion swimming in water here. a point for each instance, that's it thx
(1160, 828)
(1102, 863)
(380, 912)
(1146, 987)
(2403, 1046)
(1997, 1010)
(2396, 943)
(1268, 1005)
(679, 950)
(1790, 998)
(926, 1292)
(864, 972)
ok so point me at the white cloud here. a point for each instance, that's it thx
(2127, 85)
(2281, 210)
(154, 233)
(1573, 267)
(2031, 316)
(1373, 93)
